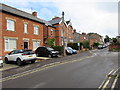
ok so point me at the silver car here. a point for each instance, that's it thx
(20, 56)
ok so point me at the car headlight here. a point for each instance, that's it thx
(53, 52)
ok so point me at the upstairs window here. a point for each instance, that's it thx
(51, 31)
(25, 28)
(36, 28)
(10, 25)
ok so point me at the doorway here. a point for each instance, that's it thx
(25, 45)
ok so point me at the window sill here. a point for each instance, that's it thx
(35, 34)
(26, 33)
(10, 30)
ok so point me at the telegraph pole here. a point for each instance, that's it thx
(64, 53)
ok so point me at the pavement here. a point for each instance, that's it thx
(13, 65)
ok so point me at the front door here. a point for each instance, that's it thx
(25, 45)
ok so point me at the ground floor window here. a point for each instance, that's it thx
(10, 44)
(36, 44)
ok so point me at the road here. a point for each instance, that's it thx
(85, 72)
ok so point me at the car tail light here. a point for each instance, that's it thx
(24, 54)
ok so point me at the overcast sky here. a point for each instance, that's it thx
(98, 16)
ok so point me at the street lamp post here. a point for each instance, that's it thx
(64, 53)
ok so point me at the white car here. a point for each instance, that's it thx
(20, 56)
(1, 62)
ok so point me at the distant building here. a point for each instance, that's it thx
(94, 38)
(76, 36)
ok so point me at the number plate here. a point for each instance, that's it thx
(29, 56)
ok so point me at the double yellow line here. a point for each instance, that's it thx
(107, 79)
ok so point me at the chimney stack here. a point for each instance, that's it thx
(74, 30)
(34, 13)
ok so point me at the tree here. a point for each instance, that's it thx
(114, 40)
(107, 39)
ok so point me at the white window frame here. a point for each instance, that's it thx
(25, 28)
(7, 44)
(10, 25)
(37, 44)
(51, 32)
(36, 30)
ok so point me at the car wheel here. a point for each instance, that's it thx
(6, 60)
(50, 56)
(37, 54)
(33, 61)
(19, 62)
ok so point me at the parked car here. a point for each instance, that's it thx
(100, 46)
(46, 52)
(20, 56)
(73, 50)
(1, 62)
(104, 46)
(68, 51)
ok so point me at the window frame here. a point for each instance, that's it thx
(36, 30)
(8, 22)
(25, 28)
(36, 44)
(8, 44)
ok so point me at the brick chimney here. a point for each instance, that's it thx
(83, 33)
(56, 17)
(74, 30)
(34, 13)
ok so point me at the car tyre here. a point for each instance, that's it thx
(19, 62)
(6, 60)
(50, 56)
(37, 54)
(33, 61)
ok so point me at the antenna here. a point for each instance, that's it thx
(31, 9)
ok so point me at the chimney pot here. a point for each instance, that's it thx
(34, 13)
(74, 31)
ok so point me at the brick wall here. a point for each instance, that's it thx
(19, 31)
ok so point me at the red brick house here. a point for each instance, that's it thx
(19, 30)
(94, 38)
(68, 31)
(48, 32)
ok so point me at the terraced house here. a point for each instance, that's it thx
(19, 30)
(22, 30)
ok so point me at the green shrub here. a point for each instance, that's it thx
(115, 49)
(51, 42)
(86, 44)
(96, 44)
(58, 48)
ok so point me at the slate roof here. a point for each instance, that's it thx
(11, 10)
(55, 21)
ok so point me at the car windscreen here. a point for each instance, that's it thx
(50, 49)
